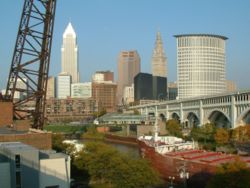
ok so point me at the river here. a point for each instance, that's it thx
(131, 150)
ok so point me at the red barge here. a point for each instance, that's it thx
(198, 165)
(175, 158)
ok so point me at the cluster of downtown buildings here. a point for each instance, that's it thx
(200, 71)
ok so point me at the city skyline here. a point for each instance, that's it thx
(106, 28)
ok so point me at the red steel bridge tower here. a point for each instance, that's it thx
(31, 59)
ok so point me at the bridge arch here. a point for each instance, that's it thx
(219, 119)
(162, 116)
(192, 120)
(244, 118)
(175, 116)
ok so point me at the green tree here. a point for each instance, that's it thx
(92, 133)
(195, 133)
(57, 142)
(208, 131)
(221, 136)
(231, 175)
(205, 132)
(59, 146)
(174, 128)
(106, 165)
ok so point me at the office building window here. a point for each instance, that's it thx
(17, 161)
(18, 179)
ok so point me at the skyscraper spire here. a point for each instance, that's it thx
(69, 52)
(69, 31)
(159, 60)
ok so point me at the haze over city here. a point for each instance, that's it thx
(104, 28)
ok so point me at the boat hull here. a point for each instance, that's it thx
(171, 166)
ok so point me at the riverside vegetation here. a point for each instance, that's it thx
(101, 165)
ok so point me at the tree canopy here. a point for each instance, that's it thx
(241, 134)
(174, 128)
(231, 175)
(106, 165)
(221, 136)
(204, 132)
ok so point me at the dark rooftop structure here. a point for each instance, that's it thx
(200, 35)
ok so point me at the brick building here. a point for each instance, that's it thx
(105, 95)
(6, 113)
(70, 109)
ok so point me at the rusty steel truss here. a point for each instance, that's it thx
(31, 59)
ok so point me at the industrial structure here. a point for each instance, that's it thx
(31, 60)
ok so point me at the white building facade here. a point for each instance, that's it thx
(22, 165)
(69, 53)
(51, 89)
(63, 85)
(81, 90)
(128, 94)
(200, 65)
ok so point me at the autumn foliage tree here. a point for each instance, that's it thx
(221, 136)
(231, 175)
(241, 134)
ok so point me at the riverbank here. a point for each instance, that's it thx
(120, 139)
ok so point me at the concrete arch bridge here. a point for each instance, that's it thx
(228, 110)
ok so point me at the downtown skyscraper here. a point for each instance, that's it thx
(200, 65)
(129, 65)
(159, 60)
(69, 52)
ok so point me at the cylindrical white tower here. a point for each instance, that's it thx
(200, 65)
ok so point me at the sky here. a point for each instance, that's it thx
(106, 27)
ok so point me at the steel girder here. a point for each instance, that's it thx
(31, 59)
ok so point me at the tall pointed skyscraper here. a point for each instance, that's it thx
(70, 54)
(159, 60)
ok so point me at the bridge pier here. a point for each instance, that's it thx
(181, 114)
(201, 113)
(167, 113)
(233, 112)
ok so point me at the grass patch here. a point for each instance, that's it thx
(65, 128)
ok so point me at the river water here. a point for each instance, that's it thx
(131, 150)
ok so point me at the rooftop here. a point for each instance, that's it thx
(209, 157)
(6, 130)
(201, 35)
